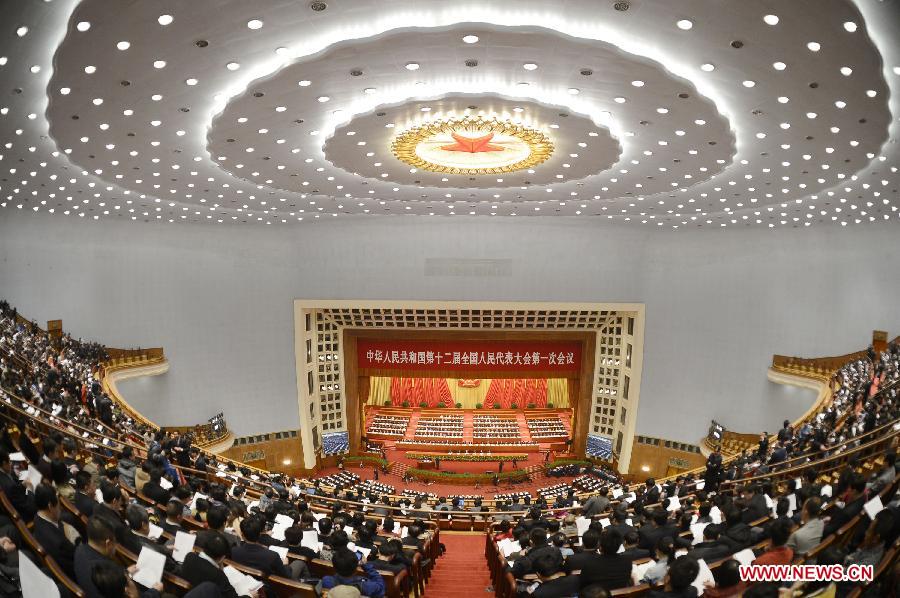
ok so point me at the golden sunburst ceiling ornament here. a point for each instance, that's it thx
(471, 146)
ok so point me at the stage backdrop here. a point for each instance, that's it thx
(469, 392)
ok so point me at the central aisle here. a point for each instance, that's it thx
(462, 571)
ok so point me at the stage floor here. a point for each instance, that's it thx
(399, 455)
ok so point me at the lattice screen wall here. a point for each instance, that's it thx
(323, 352)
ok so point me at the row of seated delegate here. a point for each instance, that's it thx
(546, 427)
(444, 426)
(489, 426)
(388, 425)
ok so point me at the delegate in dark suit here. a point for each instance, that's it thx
(197, 569)
(53, 539)
(259, 557)
(15, 491)
(561, 587)
(611, 571)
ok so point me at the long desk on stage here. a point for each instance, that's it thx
(471, 457)
(456, 448)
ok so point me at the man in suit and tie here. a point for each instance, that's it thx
(84, 493)
(253, 554)
(650, 535)
(48, 529)
(855, 501)
(154, 490)
(19, 494)
(138, 534)
(597, 503)
(207, 566)
(111, 508)
(651, 493)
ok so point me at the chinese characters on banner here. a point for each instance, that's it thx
(470, 356)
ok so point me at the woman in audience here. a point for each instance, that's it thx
(665, 555)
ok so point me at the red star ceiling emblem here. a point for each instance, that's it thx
(472, 145)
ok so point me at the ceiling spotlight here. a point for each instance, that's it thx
(304, 83)
(470, 39)
(64, 91)
(22, 31)
(35, 69)
(83, 26)
(814, 46)
(281, 50)
(159, 64)
(749, 83)
(637, 83)
(783, 99)
(165, 20)
(619, 100)
(846, 71)
(425, 109)
(771, 19)
(518, 109)
(529, 66)
(685, 24)
(123, 45)
(233, 66)
(190, 81)
(90, 69)
(850, 26)
(412, 66)
(840, 104)
(707, 67)
(323, 99)
(574, 91)
(871, 93)
(254, 24)
(369, 90)
(779, 66)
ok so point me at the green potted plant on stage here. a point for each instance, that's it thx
(531, 405)
(478, 405)
(387, 403)
(459, 405)
(549, 405)
(405, 403)
(496, 405)
(514, 406)
(423, 405)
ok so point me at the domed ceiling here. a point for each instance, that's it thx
(661, 114)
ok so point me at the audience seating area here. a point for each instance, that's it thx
(547, 427)
(388, 425)
(69, 437)
(490, 426)
(440, 426)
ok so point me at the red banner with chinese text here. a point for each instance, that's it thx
(469, 356)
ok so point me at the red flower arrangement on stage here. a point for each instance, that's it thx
(468, 383)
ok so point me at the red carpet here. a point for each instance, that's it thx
(462, 570)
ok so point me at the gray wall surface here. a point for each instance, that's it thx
(719, 303)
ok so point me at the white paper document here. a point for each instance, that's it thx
(697, 531)
(582, 524)
(31, 475)
(184, 543)
(745, 557)
(155, 532)
(166, 484)
(703, 577)
(280, 551)
(243, 585)
(282, 518)
(34, 583)
(150, 567)
(310, 540)
(873, 507)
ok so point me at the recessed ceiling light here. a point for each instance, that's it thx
(156, 97)
(425, 109)
(685, 24)
(637, 83)
(323, 99)
(281, 50)
(233, 66)
(165, 20)
(97, 101)
(369, 90)
(412, 66)
(783, 99)
(190, 81)
(123, 45)
(83, 26)
(662, 110)
(841, 104)
(850, 26)
(128, 112)
(518, 109)
(35, 69)
(22, 31)
(846, 71)
(619, 100)
(90, 70)
(708, 67)
(3, 60)
(871, 93)
(159, 64)
(771, 19)
(897, 70)
(814, 46)
(64, 91)
(779, 66)
(254, 24)
(304, 83)
(470, 39)
(811, 115)
(522, 85)
(748, 83)
(700, 122)
(574, 91)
